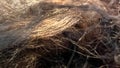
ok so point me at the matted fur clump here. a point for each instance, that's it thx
(60, 34)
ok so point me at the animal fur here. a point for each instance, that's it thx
(60, 34)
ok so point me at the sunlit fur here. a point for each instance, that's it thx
(59, 34)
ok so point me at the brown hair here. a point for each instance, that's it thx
(52, 35)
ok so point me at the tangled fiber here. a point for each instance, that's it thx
(60, 34)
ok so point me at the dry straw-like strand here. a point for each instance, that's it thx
(33, 31)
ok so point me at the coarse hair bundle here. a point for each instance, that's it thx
(60, 34)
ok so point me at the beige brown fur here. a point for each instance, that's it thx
(56, 34)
